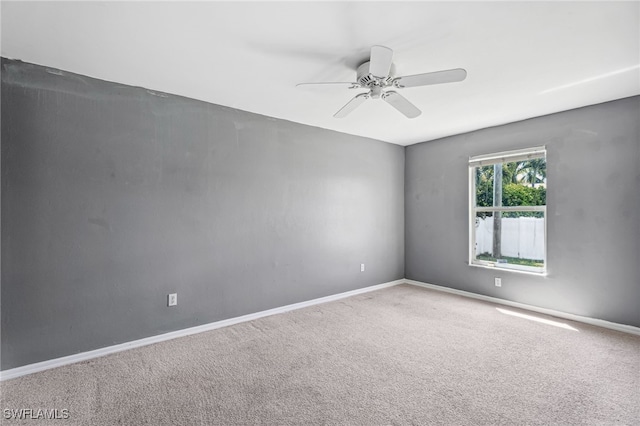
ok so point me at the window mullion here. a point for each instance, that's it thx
(511, 209)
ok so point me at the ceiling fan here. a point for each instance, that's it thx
(378, 75)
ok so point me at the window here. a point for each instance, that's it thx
(508, 206)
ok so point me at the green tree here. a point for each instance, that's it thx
(484, 186)
(533, 171)
(510, 172)
(515, 176)
(521, 195)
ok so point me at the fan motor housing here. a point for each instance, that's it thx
(366, 79)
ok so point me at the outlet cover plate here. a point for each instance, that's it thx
(172, 299)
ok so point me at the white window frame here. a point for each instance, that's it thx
(490, 159)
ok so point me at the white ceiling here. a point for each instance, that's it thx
(523, 59)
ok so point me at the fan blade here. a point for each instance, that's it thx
(400, 103)
(380, 61)
(349, 85)
(351, 105)
(438, 77)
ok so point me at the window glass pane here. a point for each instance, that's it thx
(484, 186)
(514, 239)
(524, 183)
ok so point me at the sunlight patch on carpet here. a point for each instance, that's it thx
(536, 319)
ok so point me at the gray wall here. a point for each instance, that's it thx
(113, 197)
(593, 210)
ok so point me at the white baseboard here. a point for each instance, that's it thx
(591, 321)
(84, 356)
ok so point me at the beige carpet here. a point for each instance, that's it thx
(399, 356)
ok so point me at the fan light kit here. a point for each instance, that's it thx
(378, 75)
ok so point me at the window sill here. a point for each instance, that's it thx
(509, 269)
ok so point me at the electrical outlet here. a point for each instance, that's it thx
(498, 282)
(362, 267)
(172, 299)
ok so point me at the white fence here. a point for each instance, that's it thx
(522, 237)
